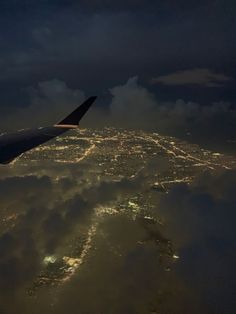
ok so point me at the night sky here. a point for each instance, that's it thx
(178, 51)
(94, 45)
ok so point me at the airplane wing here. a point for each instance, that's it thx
(13, 145)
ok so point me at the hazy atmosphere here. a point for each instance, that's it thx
(134, 212)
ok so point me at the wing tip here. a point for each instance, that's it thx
(74, 118)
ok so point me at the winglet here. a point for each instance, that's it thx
(73, 119)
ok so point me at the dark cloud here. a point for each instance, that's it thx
(200, 220)
(124, 276)
(192, 121)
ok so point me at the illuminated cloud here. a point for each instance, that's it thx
(40, 213)
(203, 77)
(132, 105)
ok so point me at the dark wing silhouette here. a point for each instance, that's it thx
(78, 113)
(13, 145)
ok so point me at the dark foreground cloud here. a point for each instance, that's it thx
(200, 218)
(124, 276)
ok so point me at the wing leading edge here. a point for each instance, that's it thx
(13, 145)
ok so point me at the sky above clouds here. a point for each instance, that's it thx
(99, 44)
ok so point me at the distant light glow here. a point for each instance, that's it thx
(133, 205)
(72, 262)
(50, 259)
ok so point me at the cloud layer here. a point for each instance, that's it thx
(40, 213)
(132, 105)
(54, 206)
(203, 77)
